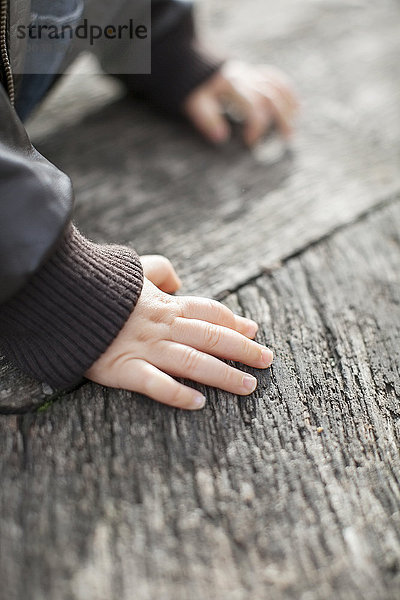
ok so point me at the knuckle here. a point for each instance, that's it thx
(171, 316)
(248, 350)
(175, 319)
(177, 331)
(143, 336)
(163, 311)
(190, 359)
(158, 314)
(217, 308)
(119, 361)
(228, 376)
(184, 305)
(212, 336)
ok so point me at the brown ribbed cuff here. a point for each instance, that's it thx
(71, 309)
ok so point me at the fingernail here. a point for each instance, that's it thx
(199, 402)
(249, 383)
(267, 357)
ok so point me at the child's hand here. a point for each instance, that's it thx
(159, 270)
(259, 96)
(180, 336)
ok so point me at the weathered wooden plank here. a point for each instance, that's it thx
(143, 180)
(291, 493)
(19, 393)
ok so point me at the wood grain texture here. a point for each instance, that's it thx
(292, 493)
(224, 215)
(19, 393)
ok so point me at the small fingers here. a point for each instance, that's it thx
(281, 97)
(204, 110)
(140, 376)
(277, 104)
(281, 83)
(206, 309)
(183, 361)
(256, 117)
(258, 121)
(262, 95)
(221, 342)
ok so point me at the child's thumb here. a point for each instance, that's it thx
(205, 112)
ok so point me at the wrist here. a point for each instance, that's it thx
(71, 309)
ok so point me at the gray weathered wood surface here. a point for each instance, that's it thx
(292, 493)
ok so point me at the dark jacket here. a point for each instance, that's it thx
(63, 299)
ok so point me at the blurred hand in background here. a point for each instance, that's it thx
(256, 96)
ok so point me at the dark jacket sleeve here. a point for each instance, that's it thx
(178, 62)
(35, 203)
(62, 299)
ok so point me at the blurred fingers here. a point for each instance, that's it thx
(261, 95)
(282, 113)
(204, 110)
(258, 120)
(281, 83)
(254, 113)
